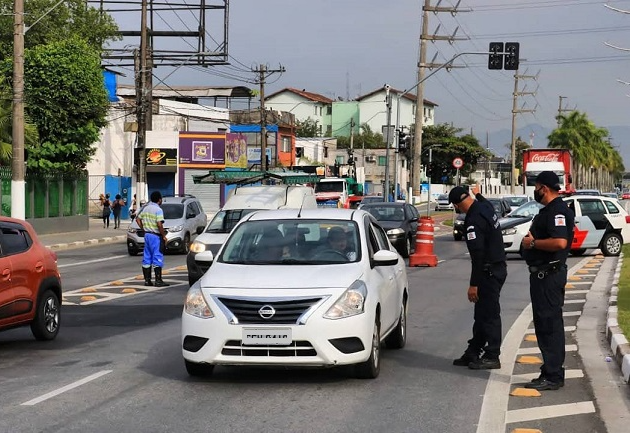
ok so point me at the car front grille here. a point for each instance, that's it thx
(287, 311)
(295, 349)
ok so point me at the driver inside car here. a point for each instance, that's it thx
(337, 240)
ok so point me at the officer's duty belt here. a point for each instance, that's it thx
(543, 270)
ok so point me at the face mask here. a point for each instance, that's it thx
(538, 196)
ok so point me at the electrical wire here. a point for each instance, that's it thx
(534, 5)
(474, 113)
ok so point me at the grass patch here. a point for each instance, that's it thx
(623, 297)
(448, 223)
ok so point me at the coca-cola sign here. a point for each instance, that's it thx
(545, 157)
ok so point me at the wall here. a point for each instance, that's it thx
(342, 114)
(301, 108)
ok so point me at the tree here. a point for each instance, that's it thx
(365, 139)
(6, 125)
(66, 97)
(519, 147)
(307, 128)
(67, 19)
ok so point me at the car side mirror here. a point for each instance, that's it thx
(414, 219)
(385, 258)
(190, 215)
(199, 230)
(204, 258)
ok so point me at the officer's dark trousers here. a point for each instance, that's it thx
(487, 327)
(547, 296)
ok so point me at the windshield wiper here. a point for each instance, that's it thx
(296, 262)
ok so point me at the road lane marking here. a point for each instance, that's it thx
(575, 301)
(63, 389)
(568, 374)
(571, 313)
(566, 329)
(87, 262)
(544, 412)
(536, 350)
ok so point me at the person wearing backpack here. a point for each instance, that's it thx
(117, 208)
(106, 211)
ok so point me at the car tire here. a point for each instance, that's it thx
(192, 280)
(186, 244)
(436, 208)
(457, 237)
(132, 252)
(398, 338)
(611, 244)
(406, 249)
(578, 252)
(45, 325)
(372, 367)
(198, 370)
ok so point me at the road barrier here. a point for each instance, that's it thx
(423, 255)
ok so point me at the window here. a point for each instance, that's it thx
(339, 159)
(611, 207)
(14, 241)
(286, 144)
(319, 130)
(299, 152)
(382, 161)
(329, 130)
(591, 207)
(325, 152)
(190, 209)
(329, 109)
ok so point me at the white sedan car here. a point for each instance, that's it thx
(313, 287)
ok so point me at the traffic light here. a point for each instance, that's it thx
(495, 58)
(403, 141)
(511, 56)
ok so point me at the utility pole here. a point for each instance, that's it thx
(18, 189)
(560, 109)
(487, 171)
(516, 111)
(422, 64)
(388, 104)
(263, 73)
(144, 98)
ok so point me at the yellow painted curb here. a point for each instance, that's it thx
(530, 337)
(88, 298)
(139, 277)
(582, 271)
(180, 268)
(588, 265)
(165, 272)
(524, 392)
(117, 283)
(129, 290)
(526, 430)
(529, 360)
(575, 278)
(569, 286)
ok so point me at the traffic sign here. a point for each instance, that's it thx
(458, 163)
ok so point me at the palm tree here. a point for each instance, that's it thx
(6, 126)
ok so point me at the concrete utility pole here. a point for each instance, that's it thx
(422, 64)
(388, 137)
(263, 73)
(144, 98)
(515, 111)
(18, 184)
(562, 110)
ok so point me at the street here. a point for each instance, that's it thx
(116, 365)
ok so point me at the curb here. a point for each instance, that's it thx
(65, 246)
(618, 342)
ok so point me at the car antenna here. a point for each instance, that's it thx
(299, 215)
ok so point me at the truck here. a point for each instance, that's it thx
(557, 160)
(343, 192)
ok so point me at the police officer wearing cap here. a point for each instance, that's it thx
(488, 273)
(546, 248)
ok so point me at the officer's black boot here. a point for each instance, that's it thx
(158, 278)
(466, 359)
(147, 276)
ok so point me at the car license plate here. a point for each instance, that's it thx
(267, 336)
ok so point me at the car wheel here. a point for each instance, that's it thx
(406, 249)
(578, 252)
(611, 244)
(132, 252)
(45, 325)
(436, 208)
(192, 280)
(186, 244)
(198, 370)
(398, 338)
(372, 367)
(457, 237)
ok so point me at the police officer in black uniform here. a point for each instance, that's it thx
(485, 245)
(546, 248)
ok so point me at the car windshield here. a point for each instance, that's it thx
(293, 242)
(516, 201)
(172, 211)
(386, 213)
(496, 204)
(531, 208)
(443, 197)
(225, 220)
(335, 186)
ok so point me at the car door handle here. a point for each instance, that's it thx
(6, 274)
(39, 266)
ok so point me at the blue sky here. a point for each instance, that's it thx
(343, 48)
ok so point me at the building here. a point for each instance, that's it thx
(303, 105)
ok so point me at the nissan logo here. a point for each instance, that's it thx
(266, 311)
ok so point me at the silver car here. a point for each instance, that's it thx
(183, 218)
(442, 203)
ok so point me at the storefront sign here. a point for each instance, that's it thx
(236, 150)
(201, 150)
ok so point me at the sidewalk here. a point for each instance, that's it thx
(96, 234)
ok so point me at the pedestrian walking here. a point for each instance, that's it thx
(151, 220)
(488, 273)
(133, 209)
(106, 210)
(117, 209)
(546, 248)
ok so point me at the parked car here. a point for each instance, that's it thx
(458, 227)
(625, 195)
(587, 192)
(30, 288)
(501, 206)
(442, 203)
(371, 199)
(183, 218)
(277, 294)
(600, 222)
(515, 201)
(610, 194)
(400, 221)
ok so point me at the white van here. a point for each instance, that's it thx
(242, 201)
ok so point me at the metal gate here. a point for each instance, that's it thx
(208, 194)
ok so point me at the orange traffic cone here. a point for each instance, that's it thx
(423, 255)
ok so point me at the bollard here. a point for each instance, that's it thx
(423, 255)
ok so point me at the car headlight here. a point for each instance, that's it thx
(459, 223)
(196, 304)
(395, 232)
(176, 229)
(510, 231)
(132, 230)
(198, 247)
(350, 303)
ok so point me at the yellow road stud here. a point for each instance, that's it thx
(180, 268)
(88, 290)
(139, 277)
(526, 430)
(129, 290)
(569, 286)
(117, 283)
(526, 359)
(88, 298)
(530, 337)
(524, 392)
(575, 278)
(583, 271)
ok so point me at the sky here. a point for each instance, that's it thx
(345, 48)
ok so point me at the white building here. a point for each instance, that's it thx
(303, 105)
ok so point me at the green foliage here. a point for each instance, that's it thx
(6, 125)
(66, 97)
(68, 19)
(365, 139)
(307, 128)
(519, 147)
(623, 297)
(451, 145)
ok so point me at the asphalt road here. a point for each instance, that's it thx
(116, 365)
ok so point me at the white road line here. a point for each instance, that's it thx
(571, 313)
(575, 292)
(544, 412)
(575, 301)
(566, 329)
(87, 262)
(568, 374)
(535, 350)
(579, 282)
(66, 388)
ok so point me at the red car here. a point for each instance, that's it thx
(625, 196)
(30, 284)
